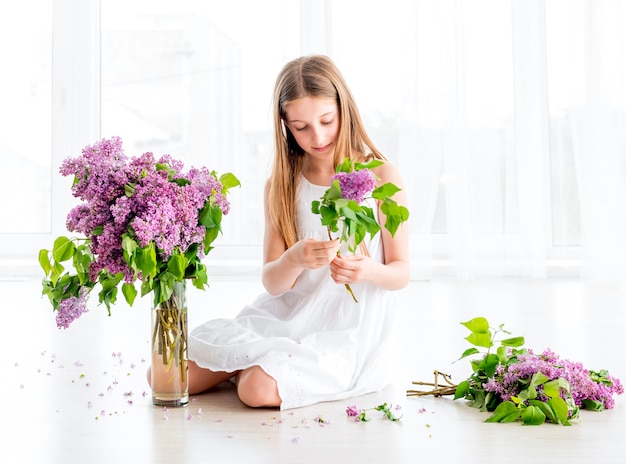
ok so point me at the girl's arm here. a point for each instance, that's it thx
(394, 272)
(282, 265)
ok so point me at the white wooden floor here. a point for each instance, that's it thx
(80, 395)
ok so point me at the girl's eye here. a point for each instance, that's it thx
(299, 129)
(326, 123)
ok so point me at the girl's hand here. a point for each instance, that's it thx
(351, 269)
(309, 253)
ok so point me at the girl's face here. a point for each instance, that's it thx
(314, 123)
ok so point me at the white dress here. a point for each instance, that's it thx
(314, 339)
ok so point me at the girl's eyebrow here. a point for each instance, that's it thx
(321, 116)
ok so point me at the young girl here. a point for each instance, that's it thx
(306, 340)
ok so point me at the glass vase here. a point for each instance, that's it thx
(170, 384)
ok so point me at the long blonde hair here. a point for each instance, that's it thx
(309, 76)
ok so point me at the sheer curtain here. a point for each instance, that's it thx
(512, 137)
(506, 117)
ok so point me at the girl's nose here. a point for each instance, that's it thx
(318, 135)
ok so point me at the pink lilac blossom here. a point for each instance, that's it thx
(136, 196)
(506, 381)
(71, 309)
(356, 185)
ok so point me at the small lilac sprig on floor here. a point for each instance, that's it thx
(360, 415)
(343, 205)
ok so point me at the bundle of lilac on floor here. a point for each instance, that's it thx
(344, 205)
(515, 384)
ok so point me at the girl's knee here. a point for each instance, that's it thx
(257, 389)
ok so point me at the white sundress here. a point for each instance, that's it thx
(314, 339)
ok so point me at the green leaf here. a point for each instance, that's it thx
(469, 352)
(330, 218)
(181, 181)
(129, 246)
(129, 189)
(176, 265)
(191, 252)
(461, 390)
(371, 164)
(537, 379)
(211, 216)
(601, 376)
(147, 260)
(502, 353)
(147, 286)
(480, 339)
(108, 294)
(514, 342)
(334, 192)
(345, 166)
(348, 211)
(489, 364)
(384, 191)
(130, 292)
(560, 408)
(477, 325)
(315, 207)
(593, 405)
(554, 387)
(165, 167)
(533, 415)
(63, 249)
(477, 399)
(200, 278)
(394, 215)
(44, 261)
(228, 181)
(529, 393)
(505, 412)
(57, 270)
(546, 409)
(166, 287)
(209, 238)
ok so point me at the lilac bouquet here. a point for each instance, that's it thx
(142, 219)
(516, 384)
(343, 205)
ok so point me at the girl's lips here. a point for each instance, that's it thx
(322, 149)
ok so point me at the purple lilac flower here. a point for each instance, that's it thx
(132, 196)
(353, 411)
(506, 381)
(356, 185)
(71, 309)
(99, 172)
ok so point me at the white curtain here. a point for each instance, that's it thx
(513, 136)
(506, 117)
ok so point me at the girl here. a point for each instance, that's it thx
(306, 340)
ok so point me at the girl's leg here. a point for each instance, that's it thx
(257, 389)
(201, 379)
